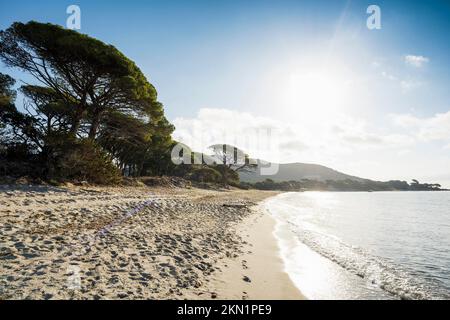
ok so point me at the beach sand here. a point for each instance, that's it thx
(258, 273)
(138, 243)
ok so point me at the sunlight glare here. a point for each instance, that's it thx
(315, 94)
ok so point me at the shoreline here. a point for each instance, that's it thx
(260, 265)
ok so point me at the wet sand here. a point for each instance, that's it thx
(258, 273)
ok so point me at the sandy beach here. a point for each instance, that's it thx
(138, 243)
(260, 265)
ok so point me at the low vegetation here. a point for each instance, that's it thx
(342, 185)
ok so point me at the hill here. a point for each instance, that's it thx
(296, 172)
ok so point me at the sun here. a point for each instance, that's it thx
(315, 94)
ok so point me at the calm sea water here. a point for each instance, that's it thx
(356, 245)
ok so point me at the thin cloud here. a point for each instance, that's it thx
(408, 85)
(273, 140)
(433, 128)
(416, 61)
(388, 76)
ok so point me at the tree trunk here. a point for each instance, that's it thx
(224, 175)
(49, 171)
(94, 125)
(76, 123)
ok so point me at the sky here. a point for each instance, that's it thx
(288, 81)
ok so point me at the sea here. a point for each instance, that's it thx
(365, 245)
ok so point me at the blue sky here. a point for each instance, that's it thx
(380, 98)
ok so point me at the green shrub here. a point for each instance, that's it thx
(204, 174)
(85, 161)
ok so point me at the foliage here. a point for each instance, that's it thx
(230, 160)
(341, 185)
(91, 113)
(85, 161)
(88, 75)
(205, 174)
(7, 95)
